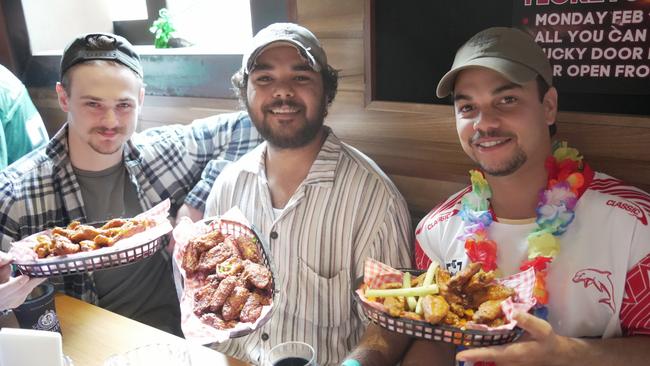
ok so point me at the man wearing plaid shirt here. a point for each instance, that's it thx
(96, 168)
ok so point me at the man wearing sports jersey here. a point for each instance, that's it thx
(96, 168)
(323, 206)
(501, 84)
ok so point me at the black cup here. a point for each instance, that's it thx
(38, 311)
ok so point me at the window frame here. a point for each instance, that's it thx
(206, 76)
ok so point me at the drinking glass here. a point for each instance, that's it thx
(153, 354)
(291, 354)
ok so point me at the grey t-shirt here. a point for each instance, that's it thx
(143, 291)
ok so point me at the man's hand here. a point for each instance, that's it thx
(189, 211)
(14, 290)
(534, 348)
(379, 347)
(429, 353)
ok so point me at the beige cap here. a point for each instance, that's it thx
(508, 51)
(289, 33)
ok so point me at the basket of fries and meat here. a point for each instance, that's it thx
(83, 247)
(228, 284)
(471, 308)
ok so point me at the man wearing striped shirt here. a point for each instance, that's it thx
(323, 206)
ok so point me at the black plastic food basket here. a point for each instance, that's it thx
(88, 261)
(437, 332)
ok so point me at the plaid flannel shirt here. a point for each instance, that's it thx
(176, 162)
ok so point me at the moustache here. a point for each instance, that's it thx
(118, 130)
(489, 133)
(283, 103)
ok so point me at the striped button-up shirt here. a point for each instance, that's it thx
(346, 210)
(41, 190)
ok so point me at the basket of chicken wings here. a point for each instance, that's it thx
(228, 285)
(471, 308)
(84, 247)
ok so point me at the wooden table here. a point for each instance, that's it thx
(91, 334)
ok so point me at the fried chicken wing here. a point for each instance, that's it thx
(230, 267)
(63, 245)
(457, 309)
(265, 295)
(216, 255)
(248, 248)
(417, 281)
(451, 295)
(113, 223)
(488, 311)
(252, 308)
(435, 308)
(133, 227)
(460, 278)
(452, 319)
(203, 297)
(88, 245)
(190, 262)
(395, 305)
(491, 292)
(478, 281)
(222, 293)
(84, 232)
(44, 246)
(231, 247)
(66, 232)
(256, 274)
(207, 241)
(235, 303)
(104, 241)
(442, 275)
(215, 321)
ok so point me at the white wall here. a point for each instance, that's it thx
(218, 26)
(52, 24)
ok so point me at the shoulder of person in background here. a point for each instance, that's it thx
(22, 126)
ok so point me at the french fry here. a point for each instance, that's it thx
(410, 300)
(413, 291)
(428, 280)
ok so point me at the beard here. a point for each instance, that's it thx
(504, 168)
(305, 134)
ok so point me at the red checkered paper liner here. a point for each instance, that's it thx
(193, 328)
(376, 274)
(22, 251)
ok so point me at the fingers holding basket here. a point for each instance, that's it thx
(532, 349)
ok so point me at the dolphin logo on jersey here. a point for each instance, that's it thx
(601, 281)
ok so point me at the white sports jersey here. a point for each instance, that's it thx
(597, 284)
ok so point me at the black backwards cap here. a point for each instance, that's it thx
(100, 46)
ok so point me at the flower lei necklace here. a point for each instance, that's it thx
(568, 178)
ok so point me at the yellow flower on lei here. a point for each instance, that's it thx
(543, 244)
(564, 152)
(478, 180)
